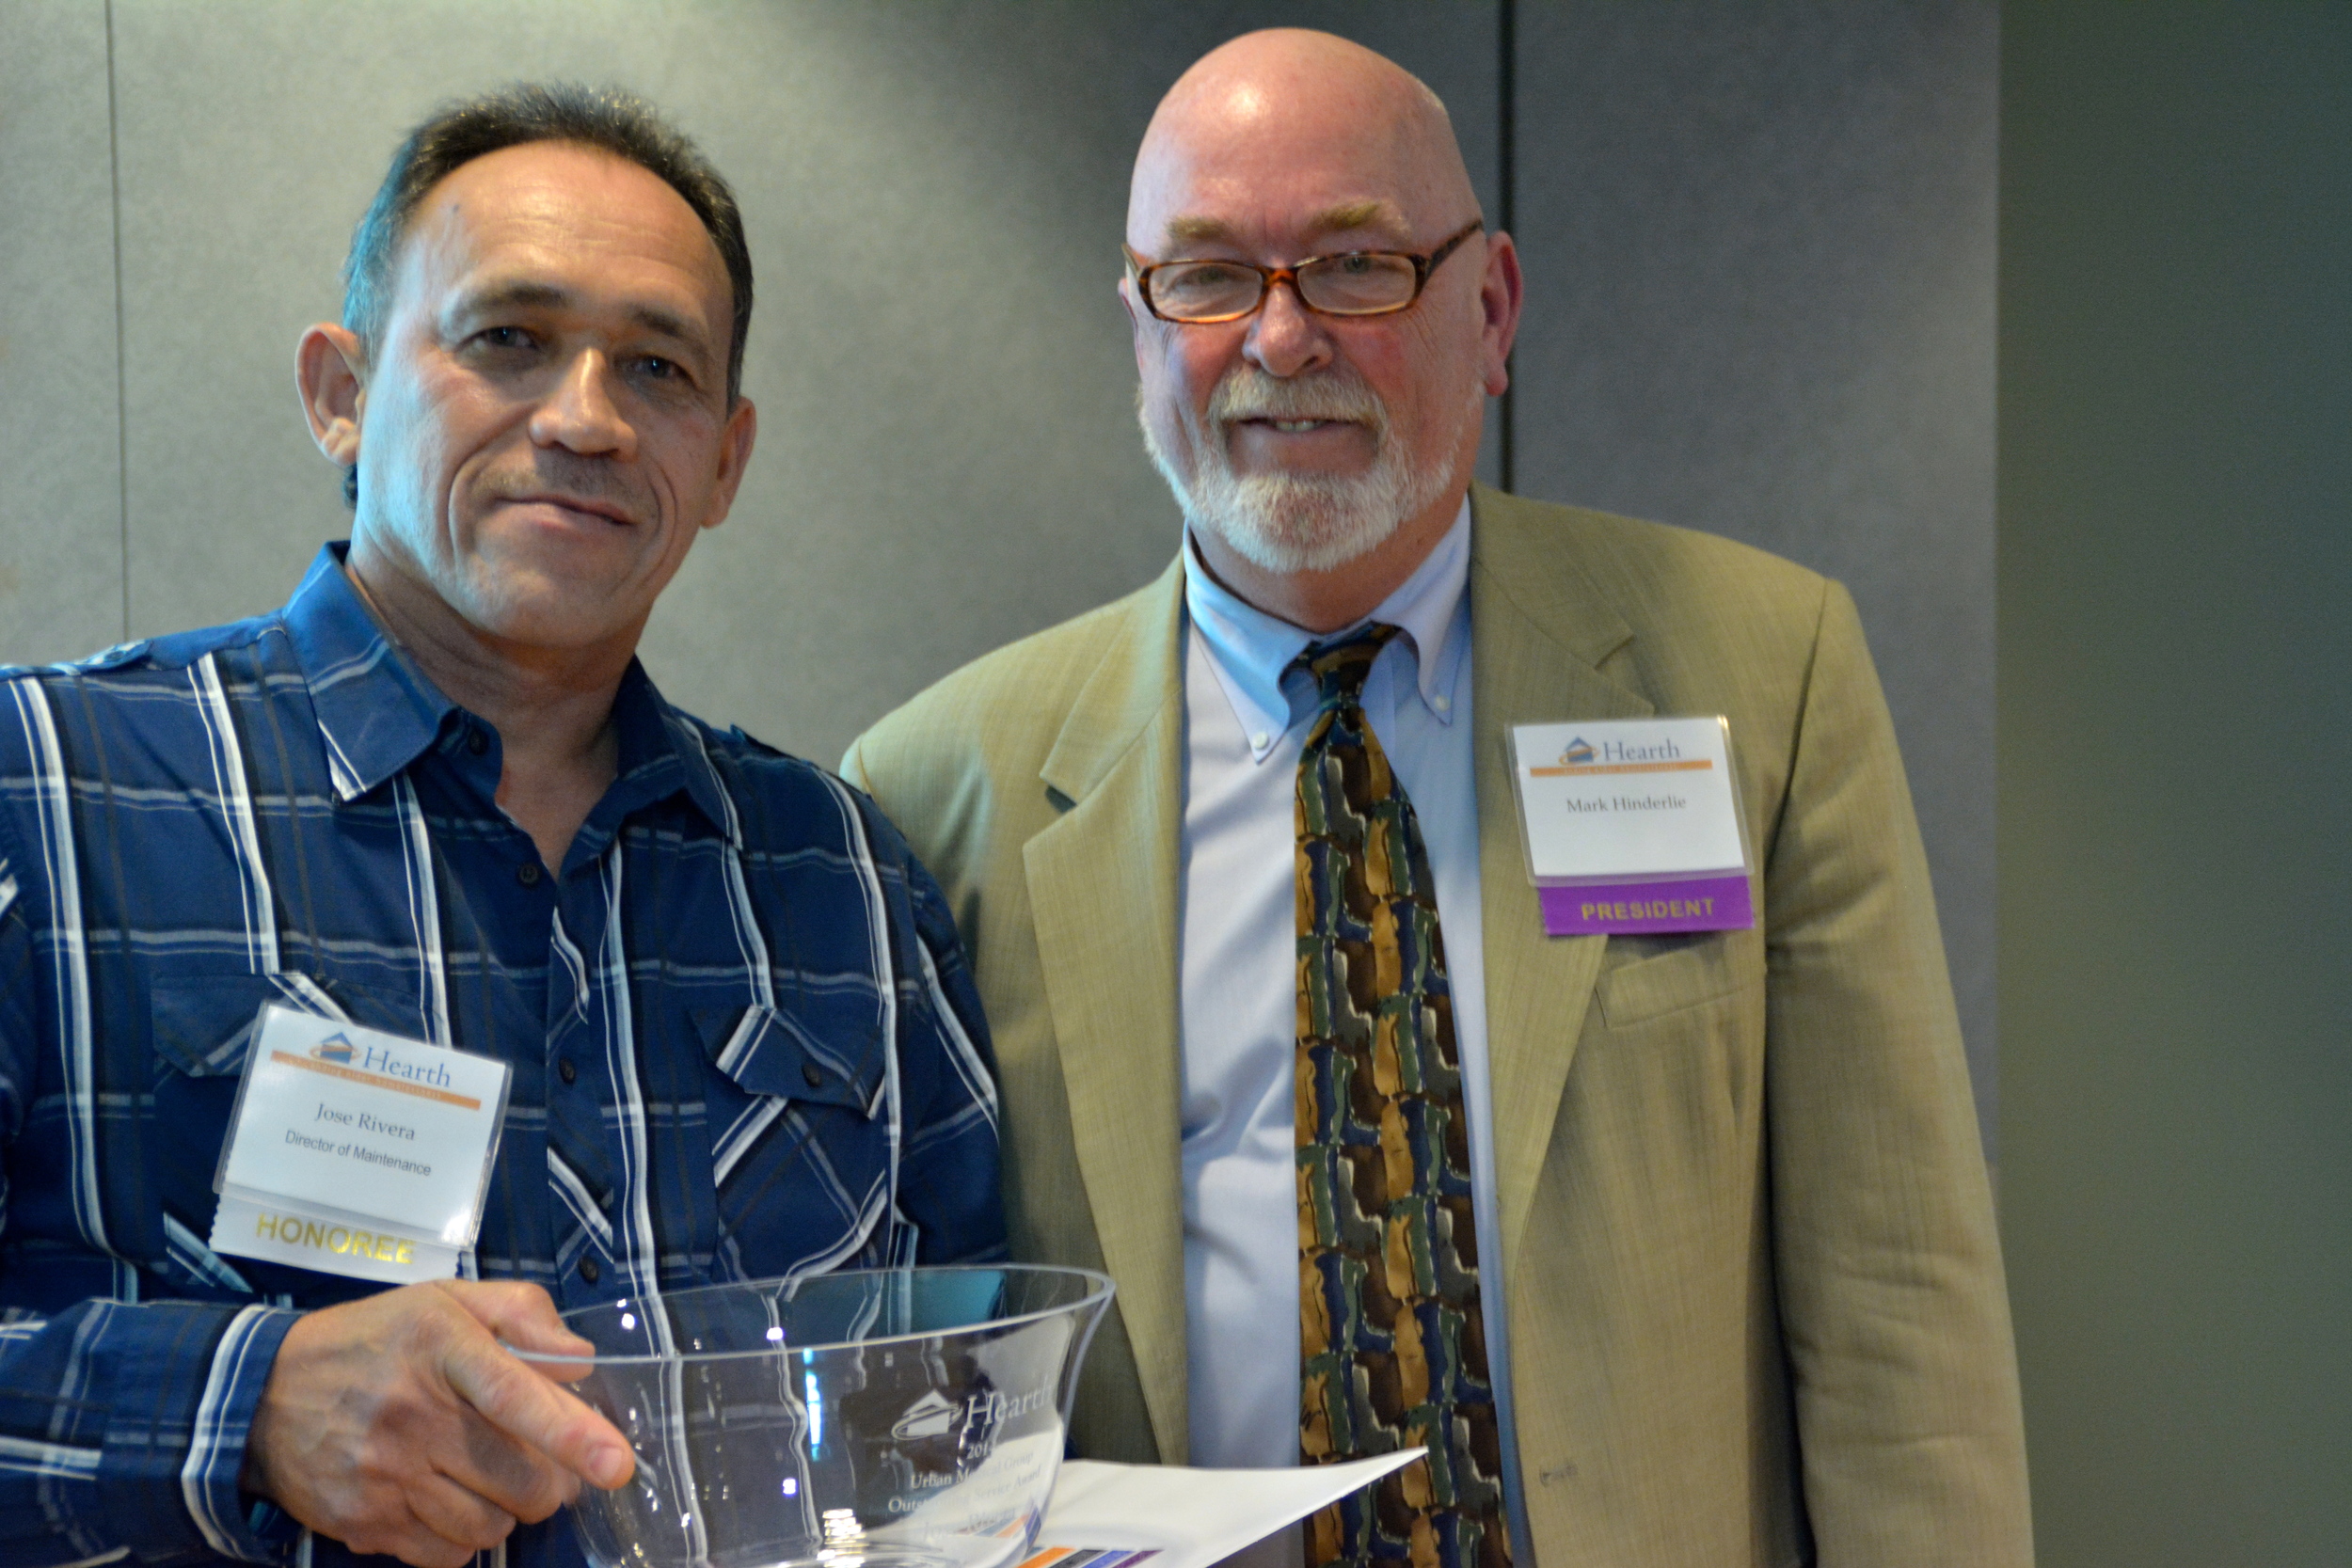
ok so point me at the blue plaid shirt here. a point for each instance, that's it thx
(743, 1039)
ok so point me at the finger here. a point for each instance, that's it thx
(422, 1548)
(459, 1515)
(515, 1476)
(412, 1540)
(561, 1372)
(528, 1407)
(521, 1314)
(502, 1467)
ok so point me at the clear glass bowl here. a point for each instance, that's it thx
(877, 1418)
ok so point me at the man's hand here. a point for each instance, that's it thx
(399, 1424)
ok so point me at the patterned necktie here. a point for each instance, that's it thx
(1393, 1345)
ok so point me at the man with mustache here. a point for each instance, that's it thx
(436, 795)
(1669, 1249)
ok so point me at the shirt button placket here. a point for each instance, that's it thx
(580, 916)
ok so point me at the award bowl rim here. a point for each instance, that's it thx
(1100, 1288)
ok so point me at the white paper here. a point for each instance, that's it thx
(338, 1120)
(1190, 1518)
(1624, 797)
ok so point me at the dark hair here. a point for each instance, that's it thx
(605, 118)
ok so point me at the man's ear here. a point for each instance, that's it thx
(1501, 294)
(331, 374)
(1137, 316)
(735, 455)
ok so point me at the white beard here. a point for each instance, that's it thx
(1286, 523)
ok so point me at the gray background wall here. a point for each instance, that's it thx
(1760, 257)
(2176, 1001)
(1760, 243)
(1760, 246)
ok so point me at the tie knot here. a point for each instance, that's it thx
(1339, 668)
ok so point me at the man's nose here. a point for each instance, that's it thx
(1285, 337)
(580, 415)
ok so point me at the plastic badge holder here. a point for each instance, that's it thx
(460, 1226)
(1661, 887)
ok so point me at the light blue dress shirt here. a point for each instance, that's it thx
(1246, 724)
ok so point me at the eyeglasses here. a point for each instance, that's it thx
(1356, 283)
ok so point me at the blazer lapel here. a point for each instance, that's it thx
(1538, 631)
(1103, 891)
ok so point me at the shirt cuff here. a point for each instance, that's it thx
(232, 1523)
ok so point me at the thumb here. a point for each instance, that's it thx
(522, 1315)
(505, 1391)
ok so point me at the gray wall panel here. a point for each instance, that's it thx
(935, 195)
(1759, 255)
(1760, 246)
(2176, 390)
(237, 205)
(60, 470)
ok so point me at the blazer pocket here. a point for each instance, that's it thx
(1691, 973)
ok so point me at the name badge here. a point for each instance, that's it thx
(1633, 825)
(356, 1152)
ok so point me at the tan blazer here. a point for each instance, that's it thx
(1757, 1310)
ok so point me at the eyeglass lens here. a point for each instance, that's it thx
(1361, 284)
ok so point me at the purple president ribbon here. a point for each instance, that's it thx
(1680, 904)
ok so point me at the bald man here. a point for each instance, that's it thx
(1669, 1248)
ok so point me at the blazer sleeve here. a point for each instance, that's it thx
(1896, 1314)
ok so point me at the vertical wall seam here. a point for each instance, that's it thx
(1508, 179)
(122, 415)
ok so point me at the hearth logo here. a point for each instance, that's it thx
(424, 1074)
(1661, 756)
(972, 1420)
(930, 1416)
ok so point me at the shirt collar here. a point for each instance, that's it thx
(661, 751)
(1250, 650)
(377, 712)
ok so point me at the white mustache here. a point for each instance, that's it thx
(1250, 393)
